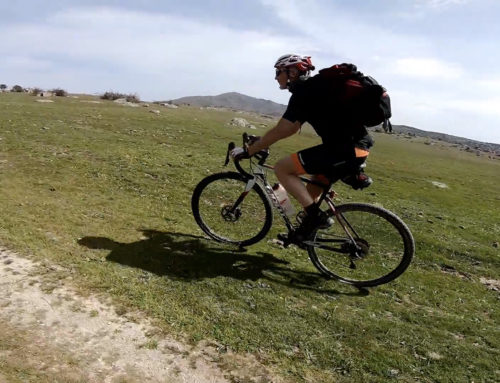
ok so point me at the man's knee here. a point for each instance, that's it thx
(289, 166)
(282, 167)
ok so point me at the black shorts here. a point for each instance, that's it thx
(325, 160)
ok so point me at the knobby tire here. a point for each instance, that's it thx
(252, 221)
(387, 240)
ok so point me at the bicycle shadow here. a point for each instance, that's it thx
(189, 257)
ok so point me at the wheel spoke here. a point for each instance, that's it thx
(228, 213)
(376, 244)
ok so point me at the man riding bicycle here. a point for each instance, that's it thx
(345, 141)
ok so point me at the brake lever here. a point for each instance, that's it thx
(230, 147)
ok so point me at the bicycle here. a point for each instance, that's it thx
(366, 245)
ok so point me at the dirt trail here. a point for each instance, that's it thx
(59, 335)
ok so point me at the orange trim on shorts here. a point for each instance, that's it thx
(361, 152)
(298, 166)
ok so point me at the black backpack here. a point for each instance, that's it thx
(365, 100)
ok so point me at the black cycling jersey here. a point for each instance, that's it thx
(315, 101)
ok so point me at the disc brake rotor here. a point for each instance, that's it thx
(230, 215)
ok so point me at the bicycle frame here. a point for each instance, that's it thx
(258, 174)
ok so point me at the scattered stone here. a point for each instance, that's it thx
(44, 101)
(434, 355)
(155, 111)
(167, 105)
(459, 336)
(491, 284)
(123, 101)
(276, 241)
(451, 270)
(393, 372)
(241, 123)
(91, 101)
(439, 185)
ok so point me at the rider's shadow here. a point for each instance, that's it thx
(188, 257)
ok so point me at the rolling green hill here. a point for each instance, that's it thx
(234, 100)
(238, 101)
(103, 190)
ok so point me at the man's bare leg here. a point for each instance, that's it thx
(286, 172)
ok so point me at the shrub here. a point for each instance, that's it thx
(112, 96)
(133, 98)
(115, 96)
(17, 88)
(59, 92)
(36, 91)
(3, 86)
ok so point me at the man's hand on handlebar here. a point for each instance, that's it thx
(239, 153)
(246, 151)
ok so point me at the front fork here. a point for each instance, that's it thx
(250, 184)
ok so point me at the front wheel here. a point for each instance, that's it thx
(366, 246)
(227, 213)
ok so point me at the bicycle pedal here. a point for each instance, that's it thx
(284, 239)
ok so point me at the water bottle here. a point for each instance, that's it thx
(283, 199)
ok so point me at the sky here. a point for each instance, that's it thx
(439, 59)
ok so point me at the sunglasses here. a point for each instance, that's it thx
(278, 71)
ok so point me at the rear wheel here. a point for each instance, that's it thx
(225, 213)
(366, 246)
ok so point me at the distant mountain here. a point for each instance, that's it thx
(238, 101)
(234, 100)
(464, 143)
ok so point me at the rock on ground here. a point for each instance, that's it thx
(123, 101)
(241, 123)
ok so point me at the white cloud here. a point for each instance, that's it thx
(440, 4)
(25, 63)
(439, 111)
(427, 67)
(162, 56)
(489, 106)
(334, 34)
(492, 84)
(174, 56)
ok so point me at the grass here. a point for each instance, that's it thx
(104, 191)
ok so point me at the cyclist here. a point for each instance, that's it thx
(345, 142)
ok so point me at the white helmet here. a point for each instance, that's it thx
(302, 63)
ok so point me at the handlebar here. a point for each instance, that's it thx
(248, 140)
